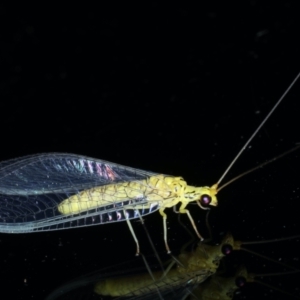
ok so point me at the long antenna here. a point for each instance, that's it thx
(257, 167)
(258, 129)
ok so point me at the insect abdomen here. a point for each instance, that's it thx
(154, 189)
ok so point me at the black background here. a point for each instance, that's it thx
(174, 89)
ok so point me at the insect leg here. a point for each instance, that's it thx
(183, 210)
(163, 214)
(133, 235)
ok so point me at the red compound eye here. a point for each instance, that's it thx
(205, 200)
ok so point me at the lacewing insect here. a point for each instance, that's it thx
(56, 191)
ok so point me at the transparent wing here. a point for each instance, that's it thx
(61, 172)
(31, 188)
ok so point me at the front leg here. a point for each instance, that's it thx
(183, 210)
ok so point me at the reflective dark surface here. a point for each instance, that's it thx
(170, 89)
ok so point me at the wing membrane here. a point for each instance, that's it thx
(32, 187)
(61, 172)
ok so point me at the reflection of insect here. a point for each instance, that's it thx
(59, 191)
(223, 287)
(176, 282)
